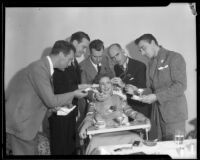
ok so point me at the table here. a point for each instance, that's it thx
(133, 126)
(189, 149)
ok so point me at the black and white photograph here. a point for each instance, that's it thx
(108, 80)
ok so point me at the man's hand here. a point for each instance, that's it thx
(82, 133)
(140, 117)
(118, 81)
(148, 98)
(100, 97)
(79, 93)
(130, 89)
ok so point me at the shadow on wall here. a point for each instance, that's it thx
(46, 52)
(13, 83)
(134, 53)
(192, 134)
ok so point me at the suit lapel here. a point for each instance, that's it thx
(91, 70)
(161, 58)
(47, 66)
(156, 63)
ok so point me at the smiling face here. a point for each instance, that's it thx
(105, 85)
(81, 48)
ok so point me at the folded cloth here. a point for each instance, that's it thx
(63, 111)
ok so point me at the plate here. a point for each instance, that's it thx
(149, 143)
(87, 89)
(134, 97)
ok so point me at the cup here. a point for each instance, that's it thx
(181, 151)
(179, 137)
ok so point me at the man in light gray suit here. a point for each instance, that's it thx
(31, 94)
(168, 81)
(96, 64)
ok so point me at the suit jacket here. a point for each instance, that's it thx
(135, 74)
(88, 72)
(30, 94)
(168, 81)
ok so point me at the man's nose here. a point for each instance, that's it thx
(99, 59)
(85, 51)
(142, 52)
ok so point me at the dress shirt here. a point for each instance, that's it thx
(95, 65)
(51, 65)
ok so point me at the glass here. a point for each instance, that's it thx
(140, 91)
(179, 137)
(119, 120)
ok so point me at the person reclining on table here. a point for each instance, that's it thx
(105, 112)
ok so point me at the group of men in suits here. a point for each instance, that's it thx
(58, 81)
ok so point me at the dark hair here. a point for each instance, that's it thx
(114, 44)
(62, 46)
(96, 44)
(79, 36)
(146, 37)
(99, 76)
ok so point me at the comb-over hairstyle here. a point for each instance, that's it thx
(114, 44)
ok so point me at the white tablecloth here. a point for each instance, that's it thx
(165, 147)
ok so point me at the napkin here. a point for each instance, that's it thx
(135, 97)
(63, 111)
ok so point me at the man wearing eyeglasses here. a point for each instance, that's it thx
(129, 73)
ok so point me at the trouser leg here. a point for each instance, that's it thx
(168, 129)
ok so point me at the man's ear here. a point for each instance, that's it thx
(75, 43)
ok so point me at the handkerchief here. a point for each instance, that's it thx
(161, 68)
(63, 111)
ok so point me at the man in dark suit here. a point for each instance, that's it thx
(129, 73)
(63, 128)
(30, 94)
(168, 81)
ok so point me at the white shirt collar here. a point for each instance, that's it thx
(126, 63)
(51, 65)
(95, 65)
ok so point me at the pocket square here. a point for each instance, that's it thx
(161, 68)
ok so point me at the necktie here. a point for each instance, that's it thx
(122, 67)
(98, 68)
